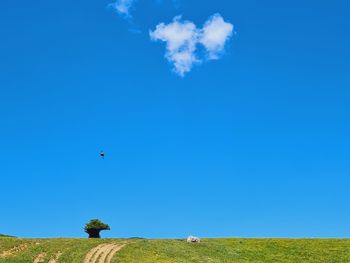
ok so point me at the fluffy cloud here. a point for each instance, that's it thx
(215, 34)
(182, 39)
(123, 6)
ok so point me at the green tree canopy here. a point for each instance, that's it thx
(94, 227)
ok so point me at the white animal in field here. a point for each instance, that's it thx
(192, 239)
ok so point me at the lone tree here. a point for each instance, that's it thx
(94, 227)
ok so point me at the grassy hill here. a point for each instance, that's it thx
(18, 250)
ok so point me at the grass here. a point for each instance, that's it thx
(73, 250)
(171, 251)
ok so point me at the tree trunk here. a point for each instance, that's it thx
(94, 233)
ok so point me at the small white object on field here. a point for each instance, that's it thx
(192, 239)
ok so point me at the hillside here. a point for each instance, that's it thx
(15, 250)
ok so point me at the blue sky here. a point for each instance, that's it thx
(254, 144)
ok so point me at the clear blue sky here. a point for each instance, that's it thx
(255, 144)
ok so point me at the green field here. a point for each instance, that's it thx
(150, 251)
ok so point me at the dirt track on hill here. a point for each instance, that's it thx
(56, 257)
(40, 258)
(102, 253)
(13, 251)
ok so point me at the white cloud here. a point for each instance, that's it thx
(215, 34)
(182, 38)
(123, 6)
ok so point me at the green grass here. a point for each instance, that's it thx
(1, 235)
(166, 251)
(73, 250)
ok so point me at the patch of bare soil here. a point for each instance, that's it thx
(13, 251)
(102, 253)
(55, 257)
(40, 258)
(113, 252)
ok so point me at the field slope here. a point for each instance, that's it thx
(16, 250)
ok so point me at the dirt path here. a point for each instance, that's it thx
(113, 252)
(107, 249)
(40, 258)
(56, 257)
(102, 253)
(13, 251)
(91, 253)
